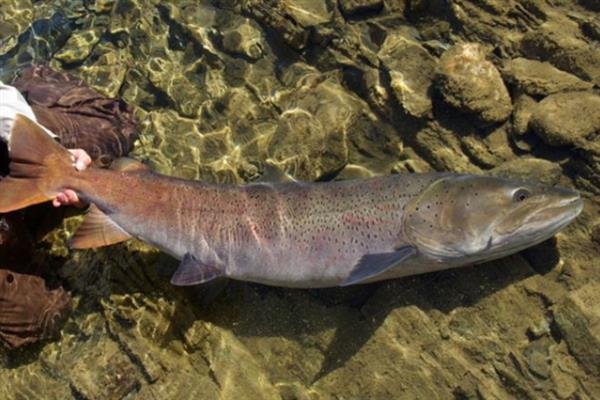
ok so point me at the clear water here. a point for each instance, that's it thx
(218, 88)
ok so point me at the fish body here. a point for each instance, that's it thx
(295, 234)
(286, 234)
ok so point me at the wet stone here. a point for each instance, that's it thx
(411, 69)
(107, 74)
(524, 108)
(567, 118)
(113, 375)
(103, 6)
(310, 140)
(534, 169)
(540, 78)
(78, 47)
(537, 355)
(578, 319)
(560, 45)
(16, 16)
(473, 85)
(307, 13)
(245, 39)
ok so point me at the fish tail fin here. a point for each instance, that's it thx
(39, 168)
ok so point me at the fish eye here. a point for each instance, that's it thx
(521, 195)
(10, 278)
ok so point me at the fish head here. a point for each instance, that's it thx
(465, 219)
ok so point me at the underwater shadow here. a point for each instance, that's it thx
(357, 312)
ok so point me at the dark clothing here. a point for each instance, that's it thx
(82, 118)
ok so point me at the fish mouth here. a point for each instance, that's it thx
(540, 225)
(560, 214)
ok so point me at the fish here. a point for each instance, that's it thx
(293, 234)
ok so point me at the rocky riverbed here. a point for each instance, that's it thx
(325, 90)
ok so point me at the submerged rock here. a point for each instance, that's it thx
(567, 118)
(222, 86)
(540, 78)
(411, 69)
(560, 45)
(310, 139)
(473, 85)
(351, 7)
(307, 13)
(530, 169)
(579, 324)
(79, 46)
(17, 15)
(245, 39)
(113, 377)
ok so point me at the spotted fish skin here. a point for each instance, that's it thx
(287, 234)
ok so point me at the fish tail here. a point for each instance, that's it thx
(40, 168)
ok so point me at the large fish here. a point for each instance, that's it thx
(293, 234)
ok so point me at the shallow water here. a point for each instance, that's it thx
(329, 90)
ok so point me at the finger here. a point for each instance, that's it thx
(74, 199)
(82, 159)
(59, 200)
(71, 197)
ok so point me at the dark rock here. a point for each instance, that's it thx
(567, 118)
(16, 243)
(593, 5)
(352, 7)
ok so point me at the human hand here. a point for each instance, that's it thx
(81, 160)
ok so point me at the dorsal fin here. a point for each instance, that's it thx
(97, 230)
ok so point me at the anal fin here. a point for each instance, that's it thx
(193, 272)
(371, 265)
(97, 230)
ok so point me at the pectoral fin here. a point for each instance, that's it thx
(97, 230)
(371, 265)
(193, 272)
